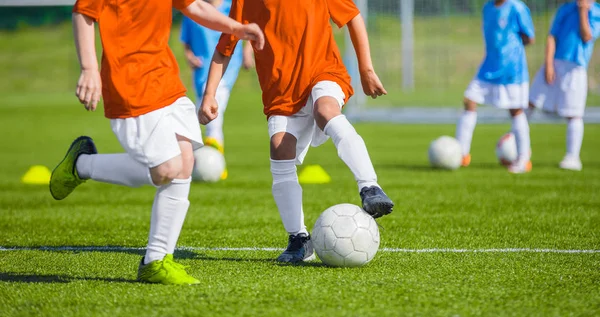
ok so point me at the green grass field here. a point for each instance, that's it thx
(478, 208)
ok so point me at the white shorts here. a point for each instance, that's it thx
(151, 138)
(567, 96)
(511, 96)
(302, 124)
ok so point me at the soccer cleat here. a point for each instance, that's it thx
(212, 142)
(165, 271)
(520, 167)
(466, 160)
(375, 202)
(299, 249)
(64, 177)
(570, 162)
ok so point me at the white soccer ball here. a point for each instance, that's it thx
(209, 165)
(345, 236)
(506, 149)
(445, 152)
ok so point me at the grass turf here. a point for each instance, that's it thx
(476, 208)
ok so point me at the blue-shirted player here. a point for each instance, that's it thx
(503, 78)
(200, 43)
(561, 84)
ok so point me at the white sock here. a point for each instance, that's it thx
(352, 150)
(119, 169)
(168, 214)
(529, 112)
(464, 130)
(520, 128)
(288, 195)
(574, 136)
(215, 128)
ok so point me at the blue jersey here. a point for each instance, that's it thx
(505, 61)
(565, 29)
(203, 42)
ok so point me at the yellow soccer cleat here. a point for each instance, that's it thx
(165, 271)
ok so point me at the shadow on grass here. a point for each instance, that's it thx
(181, 254)
(39, 278)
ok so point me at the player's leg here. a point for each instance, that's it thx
(575, 128)
(465, 128)
(520, 128)
(351, 147)
(168, 214)
(286, 189)
(572, 98)
(214, 130)
(83, 162)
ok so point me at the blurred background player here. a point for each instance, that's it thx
(503, 77)
(304, 85)
(561, 85)
(149, 114)
(199, 46)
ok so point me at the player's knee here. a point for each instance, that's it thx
(515, 112)
(167, 171)
(325, 109)
(470, 105)
(283, 146)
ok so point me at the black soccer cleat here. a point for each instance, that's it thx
(375, 202)
(299, 249)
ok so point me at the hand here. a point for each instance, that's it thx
(550, 75)
(584, 5)
(251, 32)
(89, 88)
(192, 59)
(209, 110)
(371, 84)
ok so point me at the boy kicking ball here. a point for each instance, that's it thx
(503, 78)
(304, 85)
(561, 84)
(148, 111)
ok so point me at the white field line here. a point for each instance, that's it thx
(393, 250)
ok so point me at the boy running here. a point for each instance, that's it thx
(199, 45)
(304, 85)
(503, 78)
(561, 85)
(148, 111)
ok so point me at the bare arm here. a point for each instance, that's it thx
(550, 50)
(209, 109)
(205, 14)
(191, 58)
(585, 29)
(358, 34)
(248, 56)
(89, 86)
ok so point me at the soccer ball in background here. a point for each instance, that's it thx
(209, 165)
(345, 236)
(506, 149)
(445, 152)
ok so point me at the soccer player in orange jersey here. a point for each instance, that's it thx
(149, 113)
(304, 85)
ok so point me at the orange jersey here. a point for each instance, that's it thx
(139, 71)
(299, 51)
